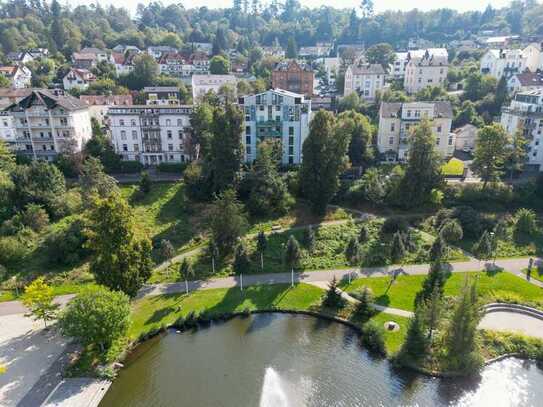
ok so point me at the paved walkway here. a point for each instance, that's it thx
(512, 322)
(514, 266)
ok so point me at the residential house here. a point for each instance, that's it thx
(294, 77)
(151, 134)
(503, 62)
(522, 82)
(205, 47)
(365, 80)
(202, 84)
(466, 137)
(276, 115)
(124, 62)
(397, 68)
(99, 104)
(49, 122)
(331, 66)
(100, 54)
(502, 41)
(156, 51)
(273, 51)
(18, 75)
(122, 48)
(525, 114)
(20, 58)
(78, 78)
(397, 121)
(318, 51)
(430, 69)
(84, 61)
(183, 65)
(419, 43)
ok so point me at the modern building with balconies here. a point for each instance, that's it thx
(151, 134)
(277, 115)
(525, 114)
(397, 121)
(47, 123)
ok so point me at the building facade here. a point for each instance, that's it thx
(99, 104)
(365, 80)
(162, 95)
(294, 77)
(525, 114)
(18, 75)
(278, 115)
(151, 134)
(78, 78)
(47, 123)
(503, 62)
(428, 70)
(397, 120)
(523, 82)
(398, 67)
(466, 138)
(202, 84)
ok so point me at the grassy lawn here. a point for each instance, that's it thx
(60, 289)
(454, 168)
(328, 253)
(165, 213)
(402, 293)
(529, 246)
(153, 312)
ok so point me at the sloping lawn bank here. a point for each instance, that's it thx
(401, 294)
(151, 313)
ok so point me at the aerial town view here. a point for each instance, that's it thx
(271, 203)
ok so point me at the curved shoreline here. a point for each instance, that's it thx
(231, 315)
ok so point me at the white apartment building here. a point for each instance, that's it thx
(365, 79)
(8, 134)
(397, 120)
(47, 123)
(534, 56)
(523, 82)
(151, 134)
(503, 62)
(397, 68)
(202, 84)
(276, 114)
(428, 70)
(525, 113)
(100, 104)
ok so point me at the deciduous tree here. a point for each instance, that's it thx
(38, 298)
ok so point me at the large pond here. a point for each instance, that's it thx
(279, 360)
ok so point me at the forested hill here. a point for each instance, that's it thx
(36, 23)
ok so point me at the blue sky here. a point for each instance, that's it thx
(380, 5)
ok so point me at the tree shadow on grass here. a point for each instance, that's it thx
(383, 300)
(160, 314)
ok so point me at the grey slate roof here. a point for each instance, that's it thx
(442, 109)
(50, 99)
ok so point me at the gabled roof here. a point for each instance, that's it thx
(367, 69)
(84, 74)
(51, 99)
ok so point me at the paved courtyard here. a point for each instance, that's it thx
(28, 351)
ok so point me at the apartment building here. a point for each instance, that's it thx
(365, 79)
(151, 134)
(99, 105)
(397, 120)
(8, 134)
(48, 122)
(397, 68)
(162, 95)
(202, 84)
(503, 62)
(525, 113)
(279, 115)
(294, 77)
(525, 81)
(534, 56)
(428, 70)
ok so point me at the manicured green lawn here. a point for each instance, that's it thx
(402, 293)
(454, 168)
(153, 312)
(61, 289)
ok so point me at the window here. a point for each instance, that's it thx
(247, 129)
(168, 122)
(391, 140)
(125, 147)
(170, 147)
(248, 150)
(291, 150)
(134, 135)
(121, 122)
(52, 147)
(133, 122)
(450, 141)
(123, 135)
(179, 122)
(291, 131)
(291, 160)
(437, 141)
(439, 129)
(169, 134)
(180, 134)
(180, 147)
(291, 141)
(136, 147)
(392, 127)
(247, 139)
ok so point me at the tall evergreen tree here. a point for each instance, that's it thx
(292, 48)
(228, 221)
(397, 250)
(324, 152)
(122, 255)
(226, 153)
(352, 251)
(261, 245)
(460, 337)
(423, 172)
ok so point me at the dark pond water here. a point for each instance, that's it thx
(277, 360)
